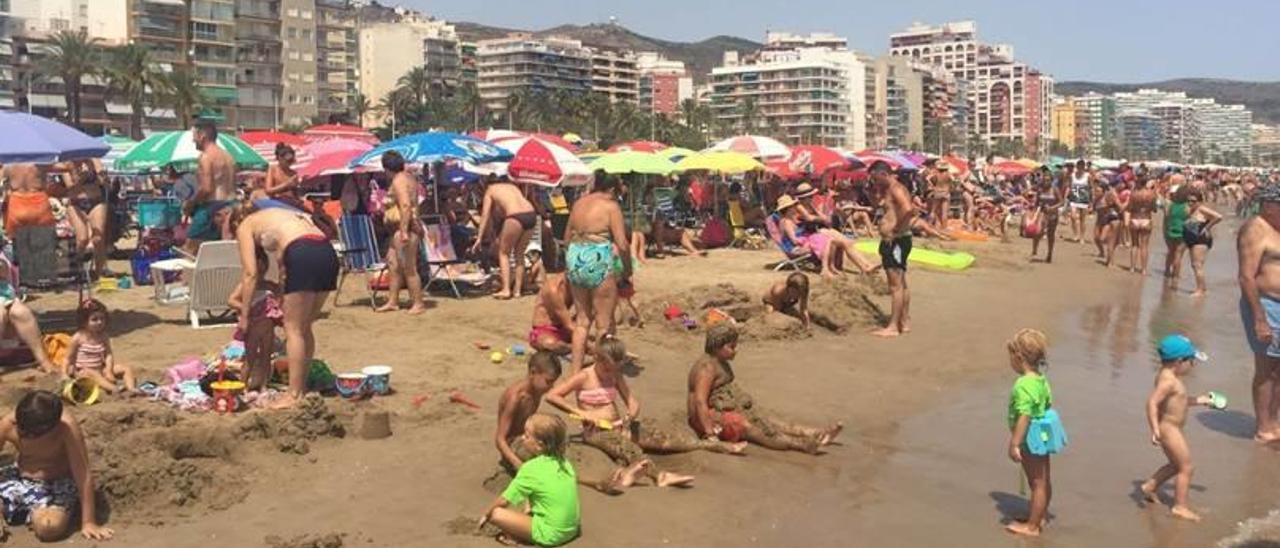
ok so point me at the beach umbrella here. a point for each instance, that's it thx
(957, 163)
(868, 157)
(30, 138)
(724, 162)
(541, 162)
(638, 146)
(496, 136)
(119, 146)
(339, 131)
(588, 157)
(916, 158)
(178, 148)
(1031, 164)
(434, 146)
(330, 157)
(755, 146)
(675, 154)
(1011, 168)
(901, 158)
(573, 138)
(815, 159)
(264, 143)
(633, 162)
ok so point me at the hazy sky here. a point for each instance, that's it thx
(1108, 40)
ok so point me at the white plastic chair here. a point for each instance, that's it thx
(216, 275)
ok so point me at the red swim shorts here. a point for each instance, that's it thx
(733, 426)
(539, 330)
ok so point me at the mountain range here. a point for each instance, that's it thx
(1263, 98)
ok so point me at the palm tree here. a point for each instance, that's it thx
(393, 106)
(417, 82)
(749, 113)
(182, 91)
(359, 107)
(72, 56)
(471, 104)
(132, 76)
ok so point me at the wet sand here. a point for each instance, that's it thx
(923, 443)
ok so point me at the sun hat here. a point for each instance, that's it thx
(1179, 347)
(785, 201)
(942, 165)
(804, 190)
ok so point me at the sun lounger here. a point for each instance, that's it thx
(443, 264)
(216, 275)
(359, 253)
(795, 257)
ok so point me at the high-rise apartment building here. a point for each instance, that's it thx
(522, 62)
(1224, 131)
(259, 64)
(212, 54)
(390, 48)
(468, 63)
(337, 58)
(664, 83)
(813, 95)
(1266, 145)
(615, 75)
(899, 104)
(1095, 120)
(1177, 129)
(1139, 134)
(1063, 123)
(7, 75)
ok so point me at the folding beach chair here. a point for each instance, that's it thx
(795, 258)
(359, 254)
(443, 264)
(559, 215)
(49, 263)
(216, 275)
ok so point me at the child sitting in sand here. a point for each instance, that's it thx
(626, 292)
(790, 297)
(718, 409)
(259, 333)
(51, 475)
(547, 482)
(553, 322)
(1167, 414)
(89, 354)
(1035, 430)
(599, 389)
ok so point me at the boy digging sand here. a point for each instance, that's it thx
(790, 296)
(52, 470)
(1166, 414)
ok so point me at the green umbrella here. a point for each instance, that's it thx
(178, 148)
(119, 146)
(633, 162)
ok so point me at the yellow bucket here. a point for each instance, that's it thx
(82, 391)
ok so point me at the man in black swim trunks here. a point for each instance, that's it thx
(895, 244)
(514, 220)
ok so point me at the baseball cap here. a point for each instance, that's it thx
(1179, 347)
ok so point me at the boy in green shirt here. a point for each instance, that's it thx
(547, 482)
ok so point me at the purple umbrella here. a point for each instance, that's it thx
(26, 138)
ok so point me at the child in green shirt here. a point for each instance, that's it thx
(547, 482)
(1035, 430)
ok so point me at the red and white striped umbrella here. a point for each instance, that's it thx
(264, 143)
(755, 146)
(338, 131)
(496, 136)
(544, 163)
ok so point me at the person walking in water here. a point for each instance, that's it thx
(1258, 243)
(895, 245)
(1197, 236)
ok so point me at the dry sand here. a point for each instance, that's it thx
(172, 479)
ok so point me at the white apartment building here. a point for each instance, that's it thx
(812, 95)
(1095, 120)
(615, 75)
(389, 49)
(1223, 129)
(784, 41)
(524, 62)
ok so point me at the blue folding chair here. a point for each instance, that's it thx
(359, 254)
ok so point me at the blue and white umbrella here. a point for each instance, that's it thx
(29, 138)
(431, 147)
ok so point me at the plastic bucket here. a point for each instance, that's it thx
(82, 391)
(378, 378)
(350, 385)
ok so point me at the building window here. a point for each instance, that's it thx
(293, 32)
(293, 76)
(309, 78)
(293, 54)
(292, 12)
(309, 100)
(308, 57)
(306, 34)
(306, 14)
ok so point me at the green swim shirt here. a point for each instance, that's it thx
(1030, 396)
(1174, 220)
(551, 487)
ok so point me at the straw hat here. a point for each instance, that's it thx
(785, 201)
(804, 190)
(942, 165)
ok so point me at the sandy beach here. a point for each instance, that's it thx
(923, 440)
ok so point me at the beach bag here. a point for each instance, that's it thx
(1046, 435)
(715, 233)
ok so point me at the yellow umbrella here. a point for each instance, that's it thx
(720, 162)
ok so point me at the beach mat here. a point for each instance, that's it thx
(956, 260)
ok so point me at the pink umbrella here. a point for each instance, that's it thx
(755, 146)
(331, 157)
(544, 163)
(338, 131)
(868, 157)
(816, 159)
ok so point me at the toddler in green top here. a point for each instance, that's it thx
(547, 482)
(1030, 399)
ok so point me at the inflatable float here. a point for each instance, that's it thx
(956, 260)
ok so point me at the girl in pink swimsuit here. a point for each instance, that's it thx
(89, 355)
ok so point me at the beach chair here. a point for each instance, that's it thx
(559, 215)
(443, 264)
(359, 254)
(664, 204)
(49, 263)
(795, 258)
(216, 275)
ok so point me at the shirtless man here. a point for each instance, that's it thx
(1258, 245)
(514, 231)
(402, 258)
(895, 245)
(519, 402)
(51, 475)
(216, 188)
(719, 410)
(940, 194)
(553, 317)
(1142, 206)
(597, 241)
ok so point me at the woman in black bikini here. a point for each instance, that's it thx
(1197, 236)
(1108, 225)
(309, 266)
(1047, 205)
(89, 214)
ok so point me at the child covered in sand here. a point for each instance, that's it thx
(718, 409)
(89, 354)
(1166, 415)
(547, 482)
(259, 337)
(553, 320)
(51, 475)
(790, 296)
(1035, 430)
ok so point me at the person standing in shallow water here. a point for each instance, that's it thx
(895, 245)
(1258, 244)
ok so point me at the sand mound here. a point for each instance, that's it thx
(328, 540)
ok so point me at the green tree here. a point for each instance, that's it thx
(418, 83)
(748, 115)
(73, 56)
(359, 107)
(182, 92)
(135, 78)
(471, 104)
